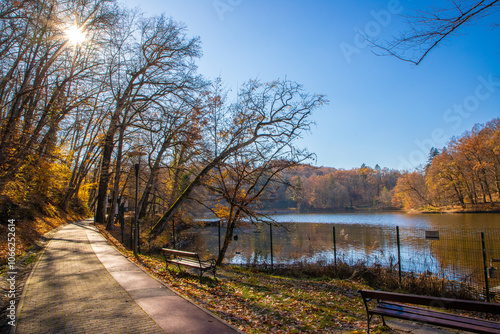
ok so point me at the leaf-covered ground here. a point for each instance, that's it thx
(260, 302)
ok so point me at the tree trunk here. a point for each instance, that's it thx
(116, 184)
(100, 215)
(160, 225)
(143, 203)
(227, 241)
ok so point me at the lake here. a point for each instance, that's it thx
(455, 253)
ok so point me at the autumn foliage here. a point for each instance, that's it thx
(77, 117)
(465, 173)
(321, 188)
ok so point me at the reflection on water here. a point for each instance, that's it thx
(370, 238)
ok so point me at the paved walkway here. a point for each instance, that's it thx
(83, 285)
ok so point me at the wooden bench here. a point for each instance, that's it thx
(388, 304)
(188, 259)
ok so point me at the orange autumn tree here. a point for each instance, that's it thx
(466, 173)
(411, 191)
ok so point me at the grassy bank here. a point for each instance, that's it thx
(303, 298)
(258, 301)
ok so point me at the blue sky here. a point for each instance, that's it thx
(382, 110)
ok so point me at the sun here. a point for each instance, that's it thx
(75, 35)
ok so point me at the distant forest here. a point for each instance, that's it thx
(309, 188)
(464, 174)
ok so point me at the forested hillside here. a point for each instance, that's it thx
(465, 173)
(309, 188)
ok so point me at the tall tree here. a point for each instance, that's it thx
(148, 60)
(411, 191)
(265, 115)
(45, 75)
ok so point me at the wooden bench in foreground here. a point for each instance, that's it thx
(388, 304)
(188, 259)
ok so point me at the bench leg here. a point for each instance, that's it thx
(383, 320)
(369, 318)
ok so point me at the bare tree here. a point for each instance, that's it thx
(266, 115)
(142, 72)
(82, 131)
(429, 29)
(173, 132)
(246, 181)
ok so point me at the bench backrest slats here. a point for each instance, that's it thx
(445, 303)
(179, 253)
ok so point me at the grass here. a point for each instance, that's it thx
(303, 298)
(261, 301)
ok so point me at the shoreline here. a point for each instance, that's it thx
(444, 210)
(494, 210)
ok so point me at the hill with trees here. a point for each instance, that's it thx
(465, 173)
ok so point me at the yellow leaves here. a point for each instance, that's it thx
(242, 195)
(222, 211)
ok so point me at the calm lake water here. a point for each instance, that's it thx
(370, 238)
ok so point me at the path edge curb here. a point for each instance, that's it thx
(168, 287)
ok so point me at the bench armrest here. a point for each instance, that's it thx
(210, 261)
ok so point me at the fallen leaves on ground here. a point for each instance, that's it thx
(260, 302)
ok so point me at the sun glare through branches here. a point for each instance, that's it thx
(75, 35)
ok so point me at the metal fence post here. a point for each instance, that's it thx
(334, 246)
(399, 254)
(271, 239)
(121, 218)
(485, 265)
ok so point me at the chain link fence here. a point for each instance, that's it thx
(466, 258)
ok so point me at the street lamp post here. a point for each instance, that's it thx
(136, 223)
(136, 220)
